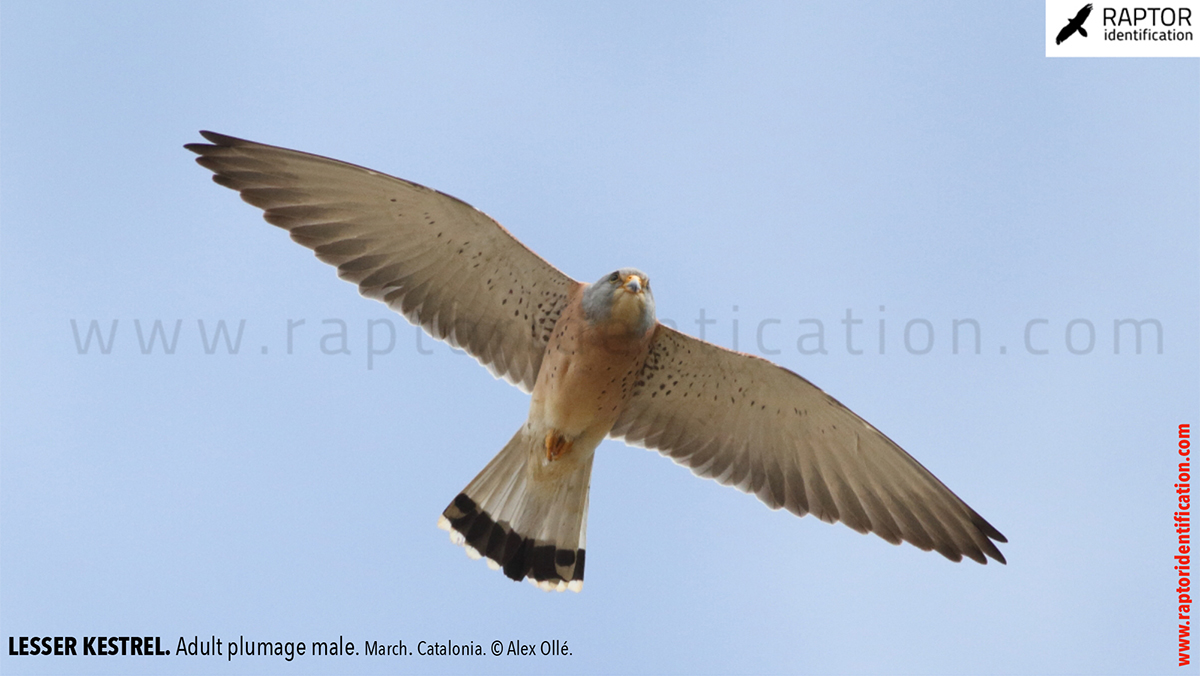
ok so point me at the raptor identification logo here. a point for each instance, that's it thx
(1122, 29)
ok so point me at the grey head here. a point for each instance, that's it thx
(623, 296)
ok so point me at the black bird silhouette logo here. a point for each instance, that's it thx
(1075, 24)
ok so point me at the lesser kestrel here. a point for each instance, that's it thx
(597, 363)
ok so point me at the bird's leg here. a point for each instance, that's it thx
(556, 445)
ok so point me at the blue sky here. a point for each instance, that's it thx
(912, 164)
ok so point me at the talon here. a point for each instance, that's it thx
(556, 445)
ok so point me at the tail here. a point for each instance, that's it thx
(527, 514)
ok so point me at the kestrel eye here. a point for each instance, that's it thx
(614, 277)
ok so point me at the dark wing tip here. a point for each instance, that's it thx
(990, 547)
(992, 551)
(990, 534)
(986, 528)
(222, 139)
(215, 141)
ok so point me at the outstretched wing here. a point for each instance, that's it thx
(748, 423)
(1082, 15)
(431, 257)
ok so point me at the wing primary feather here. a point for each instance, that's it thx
(772, 433)
(430, 256)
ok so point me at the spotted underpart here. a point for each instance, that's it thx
(519, 557)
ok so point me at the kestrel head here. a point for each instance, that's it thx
(623, 296)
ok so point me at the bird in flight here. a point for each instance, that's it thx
(597, 364)
(1075, 24)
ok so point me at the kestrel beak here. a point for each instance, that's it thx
(633, 284)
